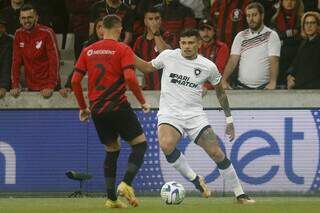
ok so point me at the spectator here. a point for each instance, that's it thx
(108, 7)
(11, 15)
(229, 15)
(286, 22)
(35, 47)
(214, 50)
(142, 7)
(6, 59)
(79, 21)
(149, 45)
(257, 49)
(96, 36)
(304, 72)
(176, 17)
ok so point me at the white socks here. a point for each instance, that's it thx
(183, 167)
(231, 178)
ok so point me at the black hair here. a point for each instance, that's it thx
(189, 33)
(27, 7)
(111, 21)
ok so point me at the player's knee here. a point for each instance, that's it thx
(167, 147)
(217, 154)
(112, 147)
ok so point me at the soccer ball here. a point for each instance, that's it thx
(172, 193)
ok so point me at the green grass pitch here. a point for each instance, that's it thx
(154, 205)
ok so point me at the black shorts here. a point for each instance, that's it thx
(110, 125)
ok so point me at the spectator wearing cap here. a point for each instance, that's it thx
(211, 48)
(35, 47)
(11, 15)
(6, 42)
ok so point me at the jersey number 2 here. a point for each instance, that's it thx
(100, 77)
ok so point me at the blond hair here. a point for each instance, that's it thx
(314, 14)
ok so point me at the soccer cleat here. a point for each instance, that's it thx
(205, 189)
(245, 199)
(114, 204)
(127, 191)
(201, 185)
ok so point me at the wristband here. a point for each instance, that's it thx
(229, 120)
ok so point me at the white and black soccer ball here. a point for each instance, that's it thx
(172, 193)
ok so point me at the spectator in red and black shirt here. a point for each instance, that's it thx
(286, 22)
(108, 7)
(214, 50)
(176, 17)
(149, 45)
(229, 15)
(109, 65)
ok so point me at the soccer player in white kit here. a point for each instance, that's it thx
(181, 111)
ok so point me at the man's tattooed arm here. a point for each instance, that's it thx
(223, 99)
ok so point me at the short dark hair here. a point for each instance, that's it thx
(27, 7)
(189, 33)
(111, 21)
(152, 9)
(256, 5)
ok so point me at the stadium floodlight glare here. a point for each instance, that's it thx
(78, 176)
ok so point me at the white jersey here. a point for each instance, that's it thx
(255, 50)
(181, 83)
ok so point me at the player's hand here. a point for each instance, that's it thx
(64, 92)
(2, 92)
(225, 84)
(146, 107)
(84, 114)
(15, 92)
(271, 85)
(46, 93)
(230, 132)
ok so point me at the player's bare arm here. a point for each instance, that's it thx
(143, 66)
(223, 100)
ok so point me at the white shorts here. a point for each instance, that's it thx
(192, 127)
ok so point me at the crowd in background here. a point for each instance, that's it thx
(150, 26)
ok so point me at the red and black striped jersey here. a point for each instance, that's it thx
(105, 62)
(217, 52)
(176, 17)
(147, 50)
(229, 17)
